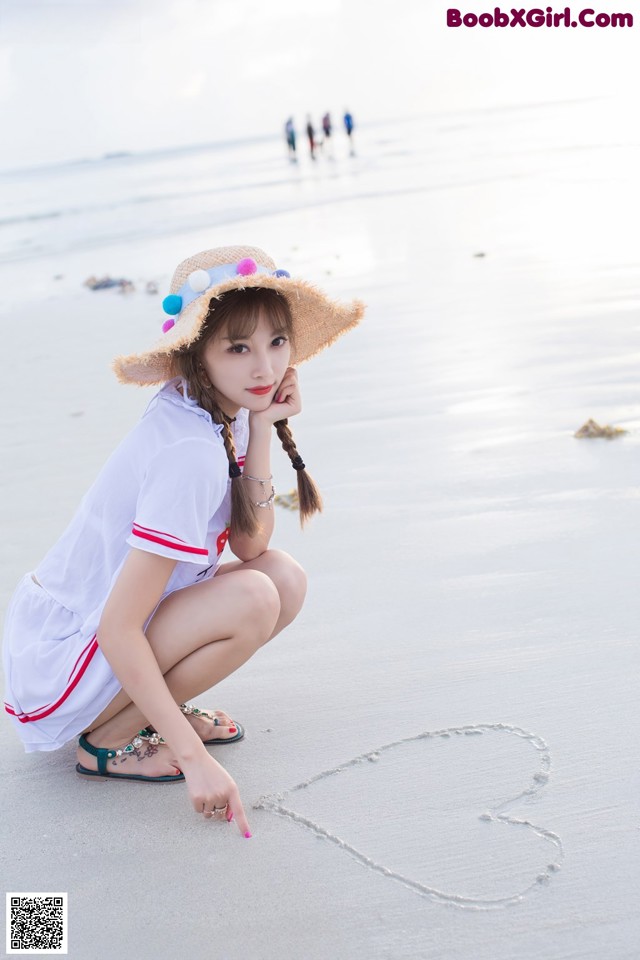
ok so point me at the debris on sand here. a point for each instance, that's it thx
(591, 430)
(288, 500)
(104, 283)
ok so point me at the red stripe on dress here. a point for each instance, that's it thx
(30, 717)
(9, 709)
(167, 543)
(160, 532)
(81, 655)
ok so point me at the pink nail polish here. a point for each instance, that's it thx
(247, 835)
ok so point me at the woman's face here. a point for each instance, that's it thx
(247, 372)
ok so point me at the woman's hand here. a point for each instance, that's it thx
(286, 402)
(210, 786)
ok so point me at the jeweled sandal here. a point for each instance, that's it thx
(188, 708)
(103, 755)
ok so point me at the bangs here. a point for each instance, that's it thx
(236, 313)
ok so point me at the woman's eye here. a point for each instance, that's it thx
(238, 348)
(278, 341)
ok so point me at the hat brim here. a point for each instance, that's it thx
(317, 322)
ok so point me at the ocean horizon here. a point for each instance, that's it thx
(58, 208)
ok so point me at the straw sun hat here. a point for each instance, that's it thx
(317, 320)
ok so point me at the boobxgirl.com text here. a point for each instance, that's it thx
(537, 17)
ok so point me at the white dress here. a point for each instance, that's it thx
(165, 490)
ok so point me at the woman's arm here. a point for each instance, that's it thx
(287, 403)
(133, 598)
(257, 464)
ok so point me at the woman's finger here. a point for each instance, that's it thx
(286, 391)
(237, 811)
(288, 383)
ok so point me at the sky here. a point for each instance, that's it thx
(80, 78)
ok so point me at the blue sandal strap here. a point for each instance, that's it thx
(103, 754)
(100, 752)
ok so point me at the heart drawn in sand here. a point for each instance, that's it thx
(429, 812)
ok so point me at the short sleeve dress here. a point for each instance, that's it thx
(165, 490)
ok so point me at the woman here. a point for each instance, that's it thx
(131, 614)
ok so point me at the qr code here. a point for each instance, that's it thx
(36, 923)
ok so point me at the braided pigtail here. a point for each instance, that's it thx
(308, 494)
(243, 519)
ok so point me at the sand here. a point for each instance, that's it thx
(440, 759)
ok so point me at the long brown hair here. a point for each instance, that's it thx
(237, 313)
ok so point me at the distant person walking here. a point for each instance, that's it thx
(311, 134)
(327, 130)
(290, 134)
(349, 125)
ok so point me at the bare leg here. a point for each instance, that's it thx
(287, 576)
(200, 635)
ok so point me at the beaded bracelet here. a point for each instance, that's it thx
(262, 503)
(268, 502)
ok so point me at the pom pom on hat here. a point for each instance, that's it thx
(166, 326)
(199, 280)
(281, 273)
(172, 304)
(246, 267)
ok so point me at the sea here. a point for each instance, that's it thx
(86, 203)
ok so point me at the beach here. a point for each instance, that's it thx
(439, 759)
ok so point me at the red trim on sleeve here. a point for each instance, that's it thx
(161, 532)
(200, 551)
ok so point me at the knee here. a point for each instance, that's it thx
(290, 581)
(260, 599)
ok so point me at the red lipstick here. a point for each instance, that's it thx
(260, 391)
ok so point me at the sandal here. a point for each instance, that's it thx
(103, 754)
(188, 708)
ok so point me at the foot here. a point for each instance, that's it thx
(212, 724)
(146, 759)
